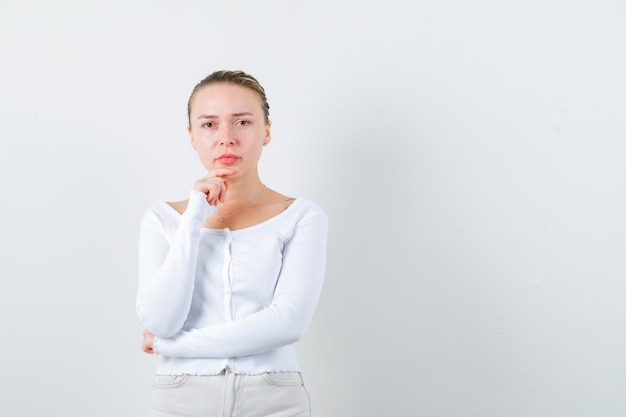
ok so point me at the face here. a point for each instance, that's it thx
(228, 128)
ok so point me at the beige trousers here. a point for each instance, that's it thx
(273, 394)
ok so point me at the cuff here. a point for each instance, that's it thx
(198, 207)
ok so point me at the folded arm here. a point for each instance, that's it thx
(281, 323)
(167, 271)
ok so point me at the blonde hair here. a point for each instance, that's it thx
(232, 77)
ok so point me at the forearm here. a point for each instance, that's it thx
(167, 272)
(268, 329)
(281, 323)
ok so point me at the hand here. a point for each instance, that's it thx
(214, 185)
(147, 345)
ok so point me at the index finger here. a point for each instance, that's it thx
(220, 172)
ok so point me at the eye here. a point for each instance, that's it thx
(208, 124)
(243, 122)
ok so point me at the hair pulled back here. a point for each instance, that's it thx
(231, 77)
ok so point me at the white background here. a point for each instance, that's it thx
(470, 156)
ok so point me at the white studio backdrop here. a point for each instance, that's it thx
(469, 154)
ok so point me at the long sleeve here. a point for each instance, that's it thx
(167, 268)
(281, 323)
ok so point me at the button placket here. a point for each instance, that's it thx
(227, 278)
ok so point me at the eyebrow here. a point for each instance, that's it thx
(210, 116)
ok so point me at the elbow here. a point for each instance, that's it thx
(294, 323)
(160, 328)
(294, 331)
(293, 336)
(164, 332)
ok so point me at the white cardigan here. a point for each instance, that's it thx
(216, 298)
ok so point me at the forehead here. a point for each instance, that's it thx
(227, 98)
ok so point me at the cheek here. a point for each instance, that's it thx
(206, 160)
(204, 140)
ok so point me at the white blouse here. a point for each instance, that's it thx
(216, 298)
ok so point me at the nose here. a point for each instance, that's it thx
(226, 136)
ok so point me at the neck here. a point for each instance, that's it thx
(242, 192)
(237, 207)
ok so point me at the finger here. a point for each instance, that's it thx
(220, 172)
(218, 192)
(209, 185)
(210, 200)
(212, 182)
(222, 195)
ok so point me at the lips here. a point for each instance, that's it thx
(228, 158)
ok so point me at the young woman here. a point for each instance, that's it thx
(229, 279)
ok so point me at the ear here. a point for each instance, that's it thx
(268, 134)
